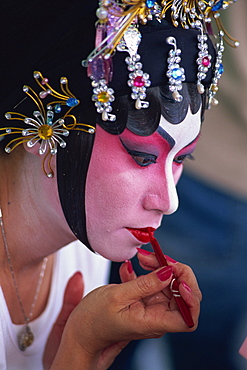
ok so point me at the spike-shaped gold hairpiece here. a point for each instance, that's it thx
(182, 12)
(187, 12)
(45, 128)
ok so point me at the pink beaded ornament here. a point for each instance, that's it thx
(138, 80)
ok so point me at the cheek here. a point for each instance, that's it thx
(112, 187)
(109, 180)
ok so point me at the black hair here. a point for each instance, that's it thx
(144, 122)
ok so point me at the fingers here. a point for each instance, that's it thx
(126, 272)
(148, 260)
(118, 312)
(72, 296)
(146, 285)
(185, 275)
(163, 316)
(186, 279)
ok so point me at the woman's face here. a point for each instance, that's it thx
(131, 184)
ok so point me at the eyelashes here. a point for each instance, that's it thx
(181, 158)
(141, 158)
(144, 159)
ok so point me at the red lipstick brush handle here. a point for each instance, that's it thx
(182, 305)
(158, 251)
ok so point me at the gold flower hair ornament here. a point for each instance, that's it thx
(45, 128)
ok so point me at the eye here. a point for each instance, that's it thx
(141, 158)
(182, 157)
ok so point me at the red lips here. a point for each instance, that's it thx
(142, 234)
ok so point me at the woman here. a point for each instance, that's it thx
(101, 172)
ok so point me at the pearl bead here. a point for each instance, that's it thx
(176, 96)
(200, 88)
(101, 13)
(215, 102)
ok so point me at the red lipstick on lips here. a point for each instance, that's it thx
(142, 234)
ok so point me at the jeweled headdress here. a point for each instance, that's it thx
(137, 44)
(120, 28)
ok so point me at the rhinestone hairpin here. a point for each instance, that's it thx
(175, 73)
(204, 58)
(45, 129)
(218, 71)
(138, 80)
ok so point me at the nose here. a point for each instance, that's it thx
(163, 195)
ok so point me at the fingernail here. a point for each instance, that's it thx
(79, 274)
(170, 259)
(129, 266)
(144, 252)
(165, 273)
(186, 286)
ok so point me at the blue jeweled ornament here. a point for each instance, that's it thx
(150, 3)
(218, 6)
(177, 74)
(221, 68)
(57, 108)
(72, 102)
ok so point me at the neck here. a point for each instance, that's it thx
(34, 228)
(34, 223)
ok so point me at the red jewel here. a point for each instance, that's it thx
(205, 61)
(139, 81)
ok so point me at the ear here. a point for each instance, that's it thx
(46, 160)
(32, 150)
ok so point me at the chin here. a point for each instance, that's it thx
(118, 256)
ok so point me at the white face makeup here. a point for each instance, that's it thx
(183, 134)
(131, 183)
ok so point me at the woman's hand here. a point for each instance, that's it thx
(183, 273)
(110, 316)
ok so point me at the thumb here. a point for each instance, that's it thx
(149, 284)
(72, 296)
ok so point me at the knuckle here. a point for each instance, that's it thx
(145, 284)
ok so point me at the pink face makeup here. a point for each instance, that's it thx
(131, 183)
